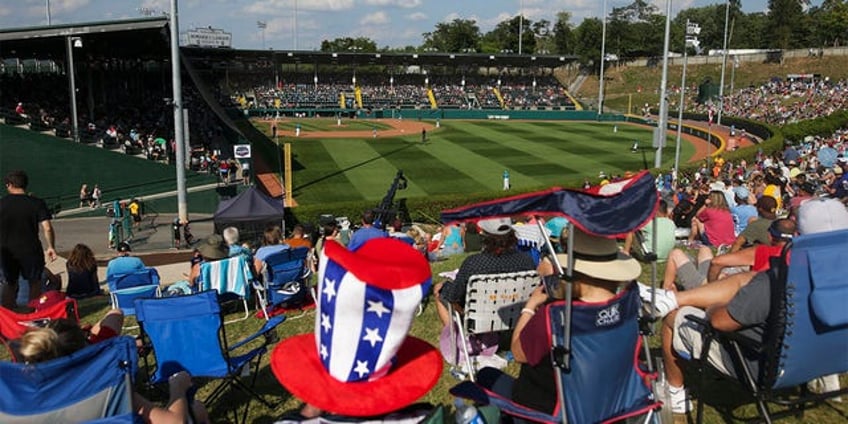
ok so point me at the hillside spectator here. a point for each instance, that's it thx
(713, 223)
(366, 232)
(82, 273)
(21, 252)
(124, 263)
(499, 254)
(298, 238)
(665, 237)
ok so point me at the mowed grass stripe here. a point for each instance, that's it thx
(460, 151)
(546, 147)
(367, 169)
(593, 147)
(317, 177)
(425, 170)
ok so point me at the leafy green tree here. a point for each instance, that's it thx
(635, 30)
(785, 22)
(831, 20)
(563, 37)
(359, 44)
(460, 35)
(588, 49)
(504, 37)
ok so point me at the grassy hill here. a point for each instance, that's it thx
(624, 81)
(58, 167)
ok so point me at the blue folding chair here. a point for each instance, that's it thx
(91, 384)
(125, 288)
(187, 333)
(285, 279)
(603, 382)
(231, 278)
(806, 333)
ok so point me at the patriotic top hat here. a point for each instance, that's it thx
(360, 361)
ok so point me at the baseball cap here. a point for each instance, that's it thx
(496, 226)
(821, 216)
(741, 192)
(124, 247)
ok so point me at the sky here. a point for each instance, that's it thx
(303, 24)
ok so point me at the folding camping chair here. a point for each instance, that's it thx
(806, 333)
(90, 384)
(125, 288)
(231, 277)
(187, 333)
(599, 384)
(493, 303)
(284, 279)
(13, 324)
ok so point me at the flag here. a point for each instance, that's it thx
(611, 210)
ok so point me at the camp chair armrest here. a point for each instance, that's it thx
(730, 336)
(267, 329)
(136, 289)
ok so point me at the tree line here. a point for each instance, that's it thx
(635, 30)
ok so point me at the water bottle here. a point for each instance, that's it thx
(467, 414)
(662, 393)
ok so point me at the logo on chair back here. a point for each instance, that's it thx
(608, 316)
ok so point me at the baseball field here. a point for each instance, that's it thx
(461, 156)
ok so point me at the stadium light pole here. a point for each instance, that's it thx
(603, 55)
(71, 42)
(294, 25)
(663, 118)
(262, 25)
(48, 12)
(179, 128)
(520, 24)
(690, 37)
(723, 63)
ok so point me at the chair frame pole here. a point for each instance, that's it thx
(569, 280)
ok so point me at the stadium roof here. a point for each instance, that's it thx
(143, 38)
(147, 38)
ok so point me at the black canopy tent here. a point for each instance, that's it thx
(251, 212)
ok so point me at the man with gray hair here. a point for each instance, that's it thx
(231, 237)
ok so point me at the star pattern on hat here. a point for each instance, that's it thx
(361, 368)
(325, 322)
(329, 289)
(377, 307)
(372, 335)
(324, 352)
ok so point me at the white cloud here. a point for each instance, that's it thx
(376, 18)
(280, 7)
(417, 16)
(407, 4)
(5, 11)
(57, 7)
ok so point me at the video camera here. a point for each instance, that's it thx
(386, 210)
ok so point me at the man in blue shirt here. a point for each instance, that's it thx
(123, 263)
(367, 232)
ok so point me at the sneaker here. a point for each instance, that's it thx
(680, 403)
(665, 301)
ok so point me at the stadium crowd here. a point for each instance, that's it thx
(784, 101)
(402, 91)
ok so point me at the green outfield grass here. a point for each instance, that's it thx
(469, 157)
(312, 124)
(58, 167)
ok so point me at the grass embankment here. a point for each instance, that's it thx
(723, 397)
(621, 82)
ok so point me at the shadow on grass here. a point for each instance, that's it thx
(342, 171)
